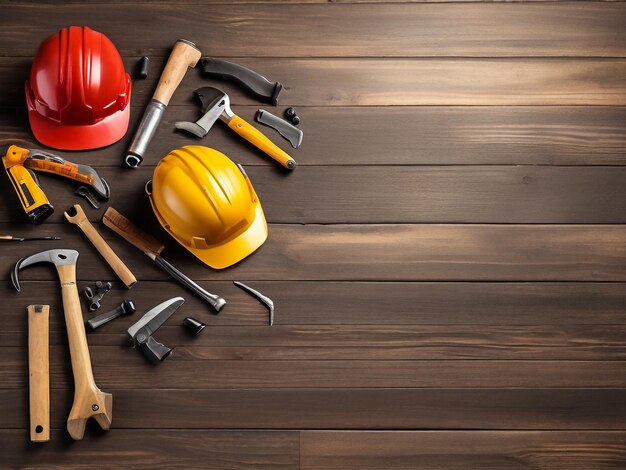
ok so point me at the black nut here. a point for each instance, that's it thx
(193, 326)
(291, 114)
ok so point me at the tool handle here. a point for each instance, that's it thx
(104, 318)
(254, 82)
(125, 308)
(214, 300)
(130, 232)
(287, 130)
(65, 169)
(185, 54)
(154, 350)
(259, 140)
(102, 246)
(39, 372)
(89, 400)
(33, 200)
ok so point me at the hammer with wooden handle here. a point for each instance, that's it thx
(185, 55)
(89, 400)
(75, 215)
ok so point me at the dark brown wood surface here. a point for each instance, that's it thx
(448, 261)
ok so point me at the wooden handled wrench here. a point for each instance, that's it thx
(75, 215)
(89, 400)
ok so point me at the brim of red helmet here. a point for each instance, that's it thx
(105, 132)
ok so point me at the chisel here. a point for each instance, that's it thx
(153, 248)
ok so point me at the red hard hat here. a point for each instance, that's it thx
(78, 94)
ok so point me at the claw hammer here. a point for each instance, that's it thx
(89, 400)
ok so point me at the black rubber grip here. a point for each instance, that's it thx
(254, 82)
(104, 318)
(154, 350)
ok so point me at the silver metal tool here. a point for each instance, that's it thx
(265, 300)
(94, 298)
(125, 308)
(153, 248)
(141, 332)
(83, 191)
(284, 128)
(216, 104)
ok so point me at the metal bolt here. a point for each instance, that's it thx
(95, 407)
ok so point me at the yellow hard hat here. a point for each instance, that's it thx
(207, 203)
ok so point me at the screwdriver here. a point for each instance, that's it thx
(11, 238)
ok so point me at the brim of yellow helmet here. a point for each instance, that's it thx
(233, 251)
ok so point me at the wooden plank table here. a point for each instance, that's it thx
(448, 262)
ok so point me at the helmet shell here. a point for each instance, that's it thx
(78, 94)
(207, 203)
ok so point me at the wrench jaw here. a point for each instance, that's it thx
(57, 257)
(192, 128)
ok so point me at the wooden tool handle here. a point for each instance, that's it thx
(131, 233)
(259, 140)
(102, 246)
(39, 372)
(185, 54)
(89, 400)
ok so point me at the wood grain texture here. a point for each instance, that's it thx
(373, 343)
(149, 449)
(280, 2)
(113, 365)
(396, 82)
(82, 222)
(576, 308)
(377, 136)
(443, 450)
(378, 253)
(312, 195)
(448, 260)
(39, 372)
(470, 409)
(387, 30)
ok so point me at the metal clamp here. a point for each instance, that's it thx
(95, 298)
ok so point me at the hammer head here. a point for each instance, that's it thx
(56, 257)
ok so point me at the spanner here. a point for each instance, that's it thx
(83, 191)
